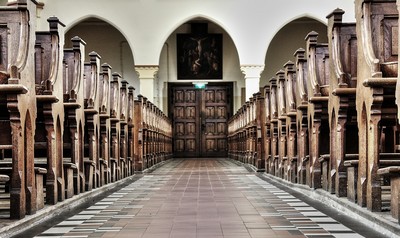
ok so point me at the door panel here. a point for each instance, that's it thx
(200, 119)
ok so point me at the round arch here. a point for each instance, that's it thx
(108, 40)
(287, 39)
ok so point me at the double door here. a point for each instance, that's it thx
(200, 119)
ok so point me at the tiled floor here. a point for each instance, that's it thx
(200, 198)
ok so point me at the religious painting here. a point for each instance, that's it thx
(199, 56)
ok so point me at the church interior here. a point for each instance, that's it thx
(199, 118)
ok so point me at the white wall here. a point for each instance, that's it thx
(110, 44)
(147, 24)
(290, 38)
(231, 67)
(149, 27)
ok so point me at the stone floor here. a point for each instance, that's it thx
(203, 198)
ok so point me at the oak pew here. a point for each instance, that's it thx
(123, 134)
(377, 75)
(282, 132)
(303, 168)
(393, 172)
(267, 128)
(104, 115)
(91, 131)
(318, 95)
(273, 162)
(50, 110)
(387, 161)
(17, 108)
(131, 134)
(73, 134)
(114, 127)
(147, 130)
(342, 109)
(260, 131)
(291, 121)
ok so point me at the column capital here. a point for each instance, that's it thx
(146, 71)
(252, 71)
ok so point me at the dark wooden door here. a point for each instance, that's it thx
(200, 119)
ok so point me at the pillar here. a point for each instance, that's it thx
(147, 74)
(252, 74)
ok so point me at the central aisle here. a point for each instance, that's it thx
(200, 198)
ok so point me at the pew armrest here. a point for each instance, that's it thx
(390, 171)
(307, 158)
(351, 163)
(70, 166)
(4, 178)
(89, 162)
(39, 170)
(324, 158)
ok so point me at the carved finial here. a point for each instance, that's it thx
(289, 66)
(272, 81)
(53, 23)
(311, 37)
(336, 16)
(300, 54)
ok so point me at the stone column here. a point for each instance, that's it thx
(147, 74)
(252, 74)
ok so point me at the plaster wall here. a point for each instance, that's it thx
(256, 32)
(148, 24)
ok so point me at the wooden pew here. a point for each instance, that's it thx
(273, 163)
(342, 111)
(17, 108)
(91, 132)
(104, 115)
(50, 110)
(377, 76)
(394, 173)
(74, 117)
(282, 119)
(303, 167)
(386, 160)
(147, 130)
(123, 124)
(267, 128)
(114, 126)
(260, 131)
(291, 121)
(131, 133)
(246, 133)
(318, 94)
(138, 130)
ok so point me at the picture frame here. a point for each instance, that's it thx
(199, 56)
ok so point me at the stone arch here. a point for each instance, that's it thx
(168, 58)
(287, 40)
(107, 39)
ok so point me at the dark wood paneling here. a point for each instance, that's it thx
(199, 119)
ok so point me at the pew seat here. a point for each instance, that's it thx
(89, 173)
(4, 178)
(69, 170)
(385, 160)
(394, 173)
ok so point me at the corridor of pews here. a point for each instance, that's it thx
(327, 125)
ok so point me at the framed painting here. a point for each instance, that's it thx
(199, 56)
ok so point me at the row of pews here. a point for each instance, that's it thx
(68, 124)
(330, 119)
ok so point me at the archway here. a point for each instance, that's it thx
(286, 41)
(109, 43)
